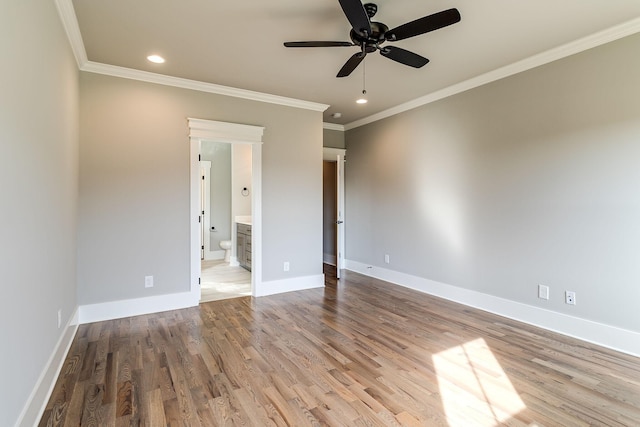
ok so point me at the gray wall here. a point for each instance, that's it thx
(532, 179)
(134, 207)
(333, 138)
(38, 188)
(240, 179)
(219, 154)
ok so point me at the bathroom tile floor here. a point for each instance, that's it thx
(222, 281)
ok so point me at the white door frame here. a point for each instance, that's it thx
(338, 155)
(209, 130)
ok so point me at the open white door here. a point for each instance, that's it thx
(339, 214)
(202, 212)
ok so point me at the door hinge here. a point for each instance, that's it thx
(199, 218)
(199, 157)
(199, 283)
(203, 248)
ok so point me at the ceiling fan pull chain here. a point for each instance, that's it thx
(364, 76)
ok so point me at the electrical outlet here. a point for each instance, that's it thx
(59, 318)
(148, 281)
(543, 292)
(386, 258)
(570, 297)
(285, 266)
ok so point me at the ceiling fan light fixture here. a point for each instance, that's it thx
(156, 59)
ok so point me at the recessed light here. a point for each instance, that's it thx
(361, 101)
(336, 115)
(157, 59)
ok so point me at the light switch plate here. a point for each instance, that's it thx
(543, 292)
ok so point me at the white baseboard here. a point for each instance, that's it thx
(134, 307)
(329, 258)
(39, 397)
(289, 285)
(587, 330)
(211, 255)
(233, 261)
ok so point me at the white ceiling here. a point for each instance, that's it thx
(239, 43)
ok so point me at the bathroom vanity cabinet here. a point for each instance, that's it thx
(244, 245)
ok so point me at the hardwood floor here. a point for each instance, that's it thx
(359, 352)
(222, 281)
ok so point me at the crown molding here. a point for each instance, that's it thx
(597, 39)
(332, 126)
(145, 76)
(70, 24)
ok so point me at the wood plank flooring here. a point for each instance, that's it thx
(359, 352)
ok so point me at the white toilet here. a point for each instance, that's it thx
(226, 245)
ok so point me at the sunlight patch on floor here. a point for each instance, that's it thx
(474, 388)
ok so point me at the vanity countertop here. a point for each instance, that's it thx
(243, 219)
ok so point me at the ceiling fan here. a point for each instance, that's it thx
(370, 35)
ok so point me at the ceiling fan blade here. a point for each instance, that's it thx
(357, 16)
(351, 64)
(404, 56)
(318, 44)
(424, 25)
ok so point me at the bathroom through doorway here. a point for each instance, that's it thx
(225, 189)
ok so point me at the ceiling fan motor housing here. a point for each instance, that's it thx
(378, 30)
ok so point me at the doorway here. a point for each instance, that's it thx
(333, 209)
(231, 133)
(225, 170)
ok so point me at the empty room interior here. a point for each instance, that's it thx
(414, 213)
